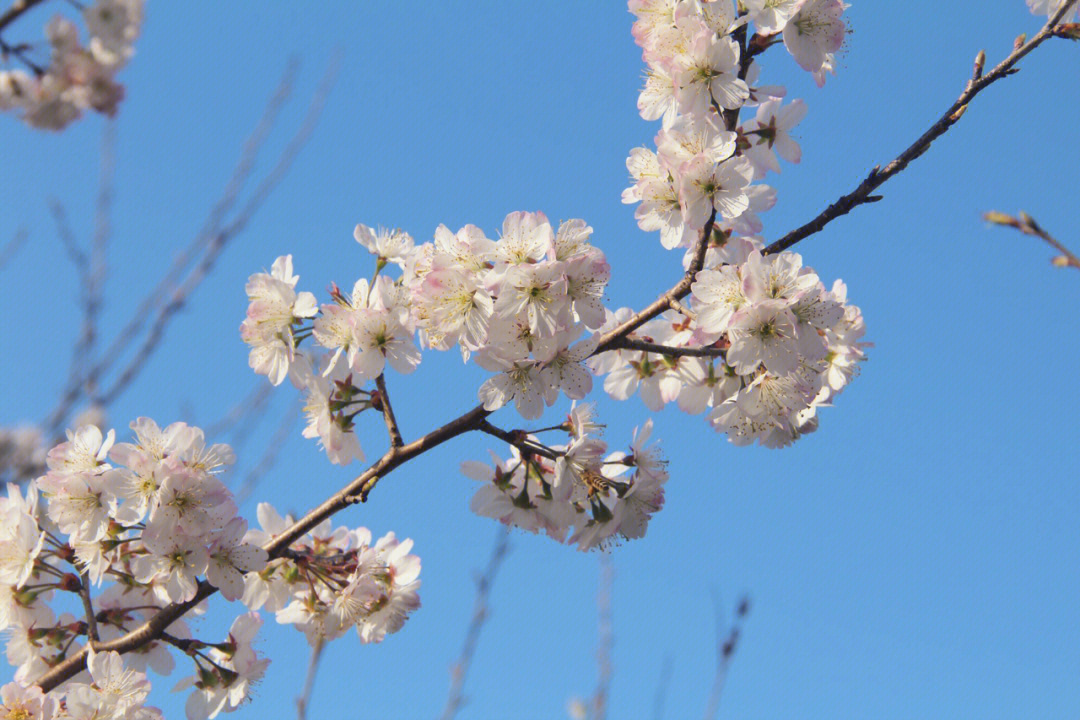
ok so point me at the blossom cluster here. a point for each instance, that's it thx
(333, 579)
(777, 345)
(518, 306)
(77, 78)
(152, 522)
(603, 497)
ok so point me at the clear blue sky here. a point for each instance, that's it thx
(917, 557)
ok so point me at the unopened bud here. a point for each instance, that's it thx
(1069, 31)
(1019, 41)
(70, 583)
(1000, 218)
(1060, 261)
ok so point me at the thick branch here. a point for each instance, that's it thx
(863, 194)
(480, 615)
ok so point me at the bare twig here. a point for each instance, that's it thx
(13, 246)
(606, 640)
(273, 450)
(17, 8)
(727, 641)
(460, 668)
(217, 245)
(662, 686)
(387, 409)
(1027, 225)
(863, 194)
(304, 700)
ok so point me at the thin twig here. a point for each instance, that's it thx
(273, 450)
(17, 8)
(662, 686)
(727, 641)
(194, 280)
(13, 246)
(606, 640)
(388, 412)
(481, 612)
(877, 177)
(304, 700)
(1027, 225)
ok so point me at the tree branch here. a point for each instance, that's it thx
(1027, 225)
(480, 615)
(16, 10)
(877, 177)
(628, 344)
(309, 681)
(388, 412)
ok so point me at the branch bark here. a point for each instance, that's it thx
(863, 194)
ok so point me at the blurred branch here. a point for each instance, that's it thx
(217, 245)
(1027, 225)
(273, 450)
(606, 642)
(309, 682)
(877, 177)
(727, 641)
(480, 615)
(13, 246)
(17, 8)
(171, 293)
(662, 686)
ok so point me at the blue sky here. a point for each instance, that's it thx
(916, 557)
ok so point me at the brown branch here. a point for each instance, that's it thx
(383, 404)
(88, 608)
(519, 439)
(480, 615)
(1027, 225)
(629, 344)
(863, 194)
(16, 10)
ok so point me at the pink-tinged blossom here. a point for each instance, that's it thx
(769, 135)
(274, 307)
(763, 334)
(718, 294)
(815, 32)
(721, 187)
(174, 564)
(19, 702)
(1049, 7)
(391, 246)
(230, 558)
(709, 73)
(379, 338)
(518, 381)
(770, 16)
